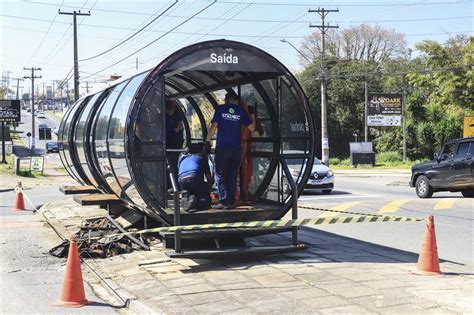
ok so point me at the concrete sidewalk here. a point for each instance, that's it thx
(335, 275)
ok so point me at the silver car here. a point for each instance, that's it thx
(322, 177)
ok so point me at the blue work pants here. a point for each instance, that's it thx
(227, 167)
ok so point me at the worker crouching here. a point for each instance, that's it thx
(193, 167)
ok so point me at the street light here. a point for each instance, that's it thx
(299, 52)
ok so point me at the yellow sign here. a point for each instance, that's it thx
(468, 126)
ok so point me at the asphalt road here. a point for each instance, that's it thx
(454, 219)
(31, 279)
(52, 121)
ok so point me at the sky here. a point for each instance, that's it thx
(33, 34)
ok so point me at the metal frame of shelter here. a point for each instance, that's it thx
(115, 139)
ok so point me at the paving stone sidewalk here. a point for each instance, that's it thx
(336, 275)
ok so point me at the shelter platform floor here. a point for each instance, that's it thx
(257, 210)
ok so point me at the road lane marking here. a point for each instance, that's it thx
(443, 204)
(324, 198)
(342, 207)
(393, 206)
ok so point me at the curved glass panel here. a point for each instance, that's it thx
(89, 146)
(79, 136)
(116, 133)
(62, 154)
(100, 133)
(65, 137)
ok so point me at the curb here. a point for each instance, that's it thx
(103, 285)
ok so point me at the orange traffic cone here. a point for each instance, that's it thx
(72, 294)
(19, 204)
(428, 262)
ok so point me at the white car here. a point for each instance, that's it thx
(322, 177)
(41, 115)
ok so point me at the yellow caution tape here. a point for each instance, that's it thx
(272, 224)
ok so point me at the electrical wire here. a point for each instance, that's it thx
(289, 4)
(256, 20)
(45, 35)
(153, 41)
(166, 52)
(54, 52)
(133, 35)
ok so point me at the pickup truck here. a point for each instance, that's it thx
(452, 169)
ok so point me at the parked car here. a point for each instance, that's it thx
(450, 170)
(41, 115)
(322, 177)
(52, 147)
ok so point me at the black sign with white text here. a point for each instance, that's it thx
(10, 110)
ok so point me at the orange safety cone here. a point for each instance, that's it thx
(72, 294)
(428, 261)
(19, 204)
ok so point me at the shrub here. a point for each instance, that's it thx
(388, 157)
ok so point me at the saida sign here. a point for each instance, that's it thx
(468, 126)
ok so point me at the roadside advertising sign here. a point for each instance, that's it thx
(10, 110)
(36, 164)
(384, 110)
(468, 126)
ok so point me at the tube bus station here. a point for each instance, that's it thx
(115, 139)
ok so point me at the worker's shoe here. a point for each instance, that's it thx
(219, 206)
(231, 206)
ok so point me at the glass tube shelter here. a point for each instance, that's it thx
(115, 139)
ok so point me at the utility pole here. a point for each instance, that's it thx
(76, 61)
(136, 63)
(87, 87)
(324, 127)
(17, 86)
(7, 83)
(366, 128)
(32, 77)
(404, 123)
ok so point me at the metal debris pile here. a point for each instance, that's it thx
(100, 238)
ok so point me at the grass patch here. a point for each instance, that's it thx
(17, 141)
(385, 160)
(7, 168)
(60, 170)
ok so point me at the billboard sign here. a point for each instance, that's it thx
(468, 126)
(384, 110)
(10, 110)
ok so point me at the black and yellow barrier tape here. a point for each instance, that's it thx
(270, 224)
(339, 211)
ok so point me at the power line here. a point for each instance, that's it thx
(133, 35)
(289, 4)
(164, 53)
(45, 35)
(153, 41)
(230, 35)
(252, 20)
(54, 52)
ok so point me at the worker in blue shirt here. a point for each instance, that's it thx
(192, 169)
(227, 120)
